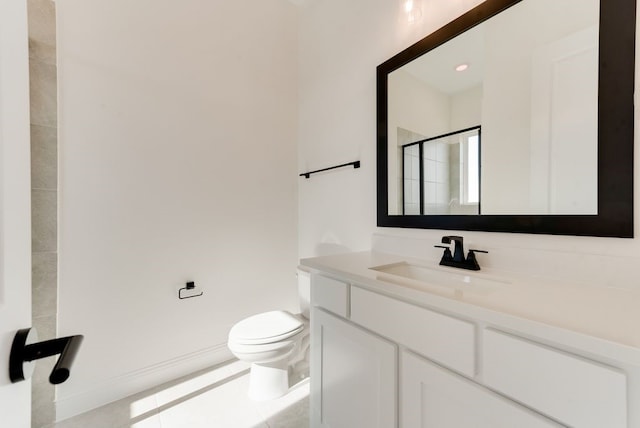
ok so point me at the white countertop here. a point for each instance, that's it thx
(600, 320)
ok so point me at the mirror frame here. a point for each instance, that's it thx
(616, 84)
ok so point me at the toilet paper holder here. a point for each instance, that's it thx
(189, 286)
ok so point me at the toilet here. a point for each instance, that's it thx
(276, 343)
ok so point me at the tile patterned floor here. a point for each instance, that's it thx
(212, 398)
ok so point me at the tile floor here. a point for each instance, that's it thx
(211, 398)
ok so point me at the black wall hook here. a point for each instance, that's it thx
(189, 286)
(23, 352)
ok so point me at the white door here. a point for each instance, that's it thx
(564, 125)
(15, 205)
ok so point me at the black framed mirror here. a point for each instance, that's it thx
(606, 210)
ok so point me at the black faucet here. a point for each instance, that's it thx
(458, 260)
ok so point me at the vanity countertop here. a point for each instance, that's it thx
(599, 320)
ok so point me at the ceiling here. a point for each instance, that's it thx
(437, 69)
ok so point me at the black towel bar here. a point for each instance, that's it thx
(356, 164)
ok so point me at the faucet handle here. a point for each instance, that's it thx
(471, 257)
(471, 261)
(447, 252)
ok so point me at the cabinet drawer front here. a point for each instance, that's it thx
(441, 338)
(436, 397)
(330, 294)
(567, 388)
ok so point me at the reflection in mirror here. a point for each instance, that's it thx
(440, 175)
(535, 92)
(551, 84)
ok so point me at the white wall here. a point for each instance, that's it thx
(466, 111)
(416, 107)
(507, 120)
(466, 108)
(178, 162)
(341, 45)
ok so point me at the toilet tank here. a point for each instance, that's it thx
(304, 291)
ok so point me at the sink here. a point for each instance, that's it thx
(436, 276)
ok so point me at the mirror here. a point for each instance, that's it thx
(548, 86)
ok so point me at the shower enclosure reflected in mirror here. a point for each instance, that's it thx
(440, 175)
(551, 84)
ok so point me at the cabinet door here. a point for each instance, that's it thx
(434, 397)
(353, 375)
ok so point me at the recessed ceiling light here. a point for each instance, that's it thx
(462, 67)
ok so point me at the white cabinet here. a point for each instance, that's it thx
(381, 361)
(571, 389)
(353, 375)
(435, 397)
(446, 340)
(330, 294)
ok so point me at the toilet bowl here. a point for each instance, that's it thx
(275, 343)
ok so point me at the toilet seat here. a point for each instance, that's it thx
(265, 328)
(276, 344)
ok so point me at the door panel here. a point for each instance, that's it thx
(15, 196)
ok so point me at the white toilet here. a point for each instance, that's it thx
(276, 344)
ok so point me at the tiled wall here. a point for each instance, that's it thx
(436, 174)
(411, 168)
(44, 183)
(436, 178)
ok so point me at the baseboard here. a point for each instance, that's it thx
(131, 383)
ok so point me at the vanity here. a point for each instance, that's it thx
(539, 141)
(398, 342)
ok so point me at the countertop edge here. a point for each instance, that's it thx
(542, 332)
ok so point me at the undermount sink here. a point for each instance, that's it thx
(437, 276)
